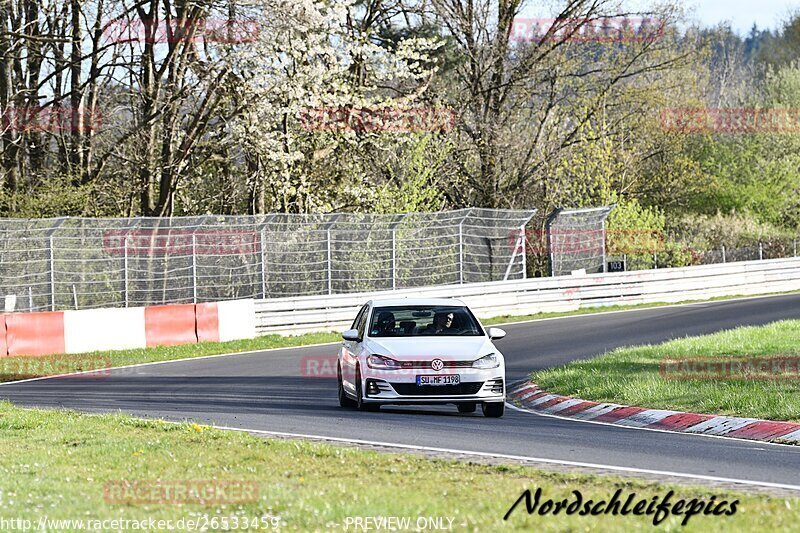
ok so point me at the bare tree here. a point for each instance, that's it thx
(526, 102)
(177, 80)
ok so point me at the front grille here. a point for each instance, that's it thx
(412, 389)
(427, 364)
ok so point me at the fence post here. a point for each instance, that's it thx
(264, 263)
(329, 249)
(723, 254)
(125, 270)
(52, 275)
(461, 252)
(194, 268)
(393, 228)
(52, 260)
(605, 262)
(795, 248)
(760, 251)
(394, 259)
(510, 261)
(524, 253)
(330, 268)
(655, 260)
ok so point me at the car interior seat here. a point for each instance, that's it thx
(407, 327)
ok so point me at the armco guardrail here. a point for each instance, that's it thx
(565, 293)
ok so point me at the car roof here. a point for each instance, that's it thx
(393, 302)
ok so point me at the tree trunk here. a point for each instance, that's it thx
(76, 97)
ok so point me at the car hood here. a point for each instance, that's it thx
(426, 348)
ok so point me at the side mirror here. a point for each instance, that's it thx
(351, 335)
(496, 333)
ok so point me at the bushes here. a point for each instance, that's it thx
(639, 233)
(734, 230)
(691, 239)
(56, 197)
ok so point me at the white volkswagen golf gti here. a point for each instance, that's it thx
(421, 351)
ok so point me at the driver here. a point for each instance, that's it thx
(386, 323)
(442, 323)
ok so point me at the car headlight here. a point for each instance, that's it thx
(379, 362)
(487, 361)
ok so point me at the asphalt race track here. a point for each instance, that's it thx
(268, 391)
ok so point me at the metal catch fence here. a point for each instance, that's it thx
(81, 263)
(576, 239)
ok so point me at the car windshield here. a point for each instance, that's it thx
(423, 320)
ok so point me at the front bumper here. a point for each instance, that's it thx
(475, 386)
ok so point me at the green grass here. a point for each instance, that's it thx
(115, 358)
(632, 376)
(57, 463)
(9, 371)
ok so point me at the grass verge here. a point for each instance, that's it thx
(634, 376)
(11, 371)
(60, 464)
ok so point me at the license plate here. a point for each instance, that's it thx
(438, 381)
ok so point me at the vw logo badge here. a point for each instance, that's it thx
(437, 364)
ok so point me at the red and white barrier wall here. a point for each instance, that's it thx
(120, 329)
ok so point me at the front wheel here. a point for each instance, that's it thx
(493, 409)
(344, 399)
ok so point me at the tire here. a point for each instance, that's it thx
(361, 405)
(493, 409)
(467, 407)
(344, 399)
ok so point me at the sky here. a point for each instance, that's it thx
(743, 13)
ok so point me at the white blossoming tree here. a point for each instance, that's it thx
(321, 94)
